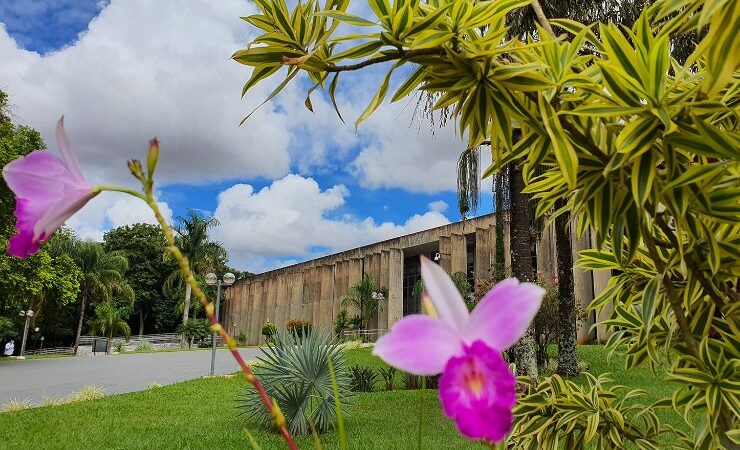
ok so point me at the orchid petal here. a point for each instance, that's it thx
(444, 295)
(40, 174)
(62, 210)
(419, 344)
(504, 314)
(478, 391)
(65, 148)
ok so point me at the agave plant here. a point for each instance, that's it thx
(296, 374)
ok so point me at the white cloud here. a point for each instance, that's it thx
(147, 67)
(293, 219)
(439, 206)
(108, 211)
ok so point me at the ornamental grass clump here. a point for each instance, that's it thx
(295, 373)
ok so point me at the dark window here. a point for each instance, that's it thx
(411, 274)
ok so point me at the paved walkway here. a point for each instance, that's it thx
(58, 377)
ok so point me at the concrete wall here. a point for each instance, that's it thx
(314, 290)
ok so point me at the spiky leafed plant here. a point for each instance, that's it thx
(296, 374)
(102, 277)
(203, 253)
(110, 320)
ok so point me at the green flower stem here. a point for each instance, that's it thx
(422, 391)
(201, 296)
(105, 187)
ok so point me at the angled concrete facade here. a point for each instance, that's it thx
(315, 290)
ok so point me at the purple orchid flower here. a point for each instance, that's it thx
(48, 191)
(476, 389)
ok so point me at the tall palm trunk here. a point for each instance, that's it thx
(186, 308)
(524, 351)
(567, 358)
(79, 324)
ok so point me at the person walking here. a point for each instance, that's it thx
(9, 348)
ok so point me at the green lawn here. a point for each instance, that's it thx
(202, 414)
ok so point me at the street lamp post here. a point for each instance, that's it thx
(27, 314)
(212, 279)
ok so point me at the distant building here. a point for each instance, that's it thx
(314, 290)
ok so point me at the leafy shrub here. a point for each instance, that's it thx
(299, 328)
(241, 339)
(268, 330)
(296, 375)
(355, 323)
(363, 378)
(120, 348)
(388, 375)
(601, 412)
(144, 346)
(341, 324)
(413, 382)
(195, 329)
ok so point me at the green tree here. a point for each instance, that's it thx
(641, 147)
(204, 254)
(109, 321)
(360, 296)
(143, 245)
(103, 278)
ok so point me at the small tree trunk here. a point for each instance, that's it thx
(141, 323)
(186, 304)
(83, 302)
(185, 310)
(521, 267)
(567, 357)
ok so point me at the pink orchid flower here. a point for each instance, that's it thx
(476, 388)
(48, 191)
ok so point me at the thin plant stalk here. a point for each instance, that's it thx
(338, 406)
(147, 182)
(421, 411)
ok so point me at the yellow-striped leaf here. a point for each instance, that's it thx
(562, 146)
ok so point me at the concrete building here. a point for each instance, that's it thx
(314, 290)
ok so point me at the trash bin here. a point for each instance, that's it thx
(100, 345)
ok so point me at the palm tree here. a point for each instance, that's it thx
(109, 321)
(361, 296)
(102, 277)
(203, 253)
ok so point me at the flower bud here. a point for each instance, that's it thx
(152, 157)
(136, 169)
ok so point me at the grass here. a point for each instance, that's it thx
(202, 414)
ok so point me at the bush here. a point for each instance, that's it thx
(144, 346)
(388, 375)
(363, 378)
(194, 330)
(296, 375)
(563, 411)
(299, 328)
(412, 382)
(341, 324)
(268, 330)
(242, 339)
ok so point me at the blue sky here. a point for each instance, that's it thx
(287, 186)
